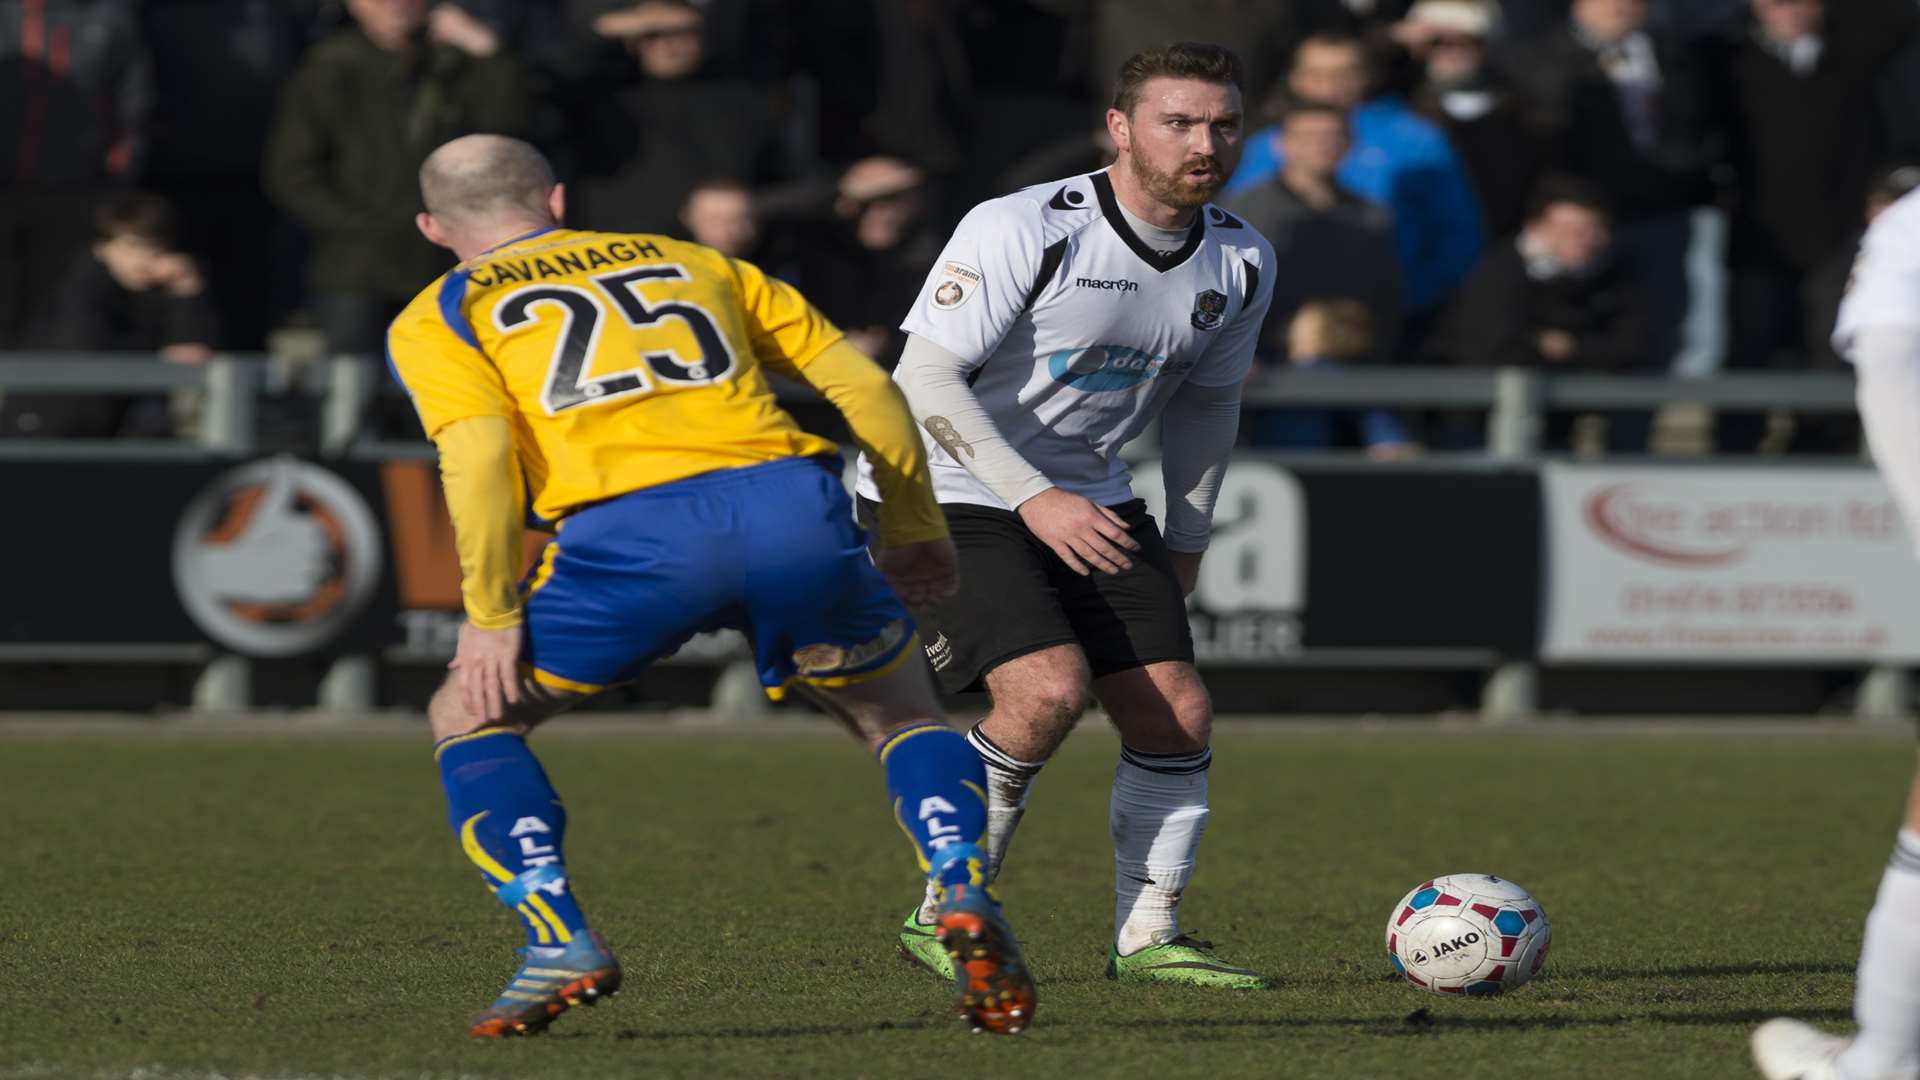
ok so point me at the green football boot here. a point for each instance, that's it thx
(1185, 959)
(918, 944)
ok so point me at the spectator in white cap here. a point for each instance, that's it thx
(1491, 129)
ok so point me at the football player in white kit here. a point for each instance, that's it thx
(1879, 331)
(1059, 323)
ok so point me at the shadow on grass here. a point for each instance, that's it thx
(1705, 971)
(1422, 1022)
(1419, 1022)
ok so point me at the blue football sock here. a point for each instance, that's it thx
(939, 790)
(510, 823)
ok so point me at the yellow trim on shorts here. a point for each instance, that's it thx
(559, 682)
(544, 572)
(835, 682)
(469, 737)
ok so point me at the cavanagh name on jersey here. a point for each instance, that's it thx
(622, 362)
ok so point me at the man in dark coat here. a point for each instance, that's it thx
(1329, 243)
(1554, 299)
(76, 92)
(1801, 82)
(1628, 109)
(356, 120)
(662, 126)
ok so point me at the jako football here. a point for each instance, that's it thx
(1468, 934)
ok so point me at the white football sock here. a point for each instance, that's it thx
(1008, 781)
(1886, 999)
(1157, 816)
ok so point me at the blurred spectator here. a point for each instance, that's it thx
(1826, 285)
(76, 87)
(720, 214)
(864, 267)
(217, 70)
(644, 144)
(1628, 111)
(1349, 16)
(1553, 299)
(1398, 160)
(135, 291)
(1071, 155)
(1028, 93)
(357, 118)
(1691, 20)
(1802, 81)
(1328, 241)
(1325, 335)
(1490, 126)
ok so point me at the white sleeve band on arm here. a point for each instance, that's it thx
(1887, 359)
(935, 382)
(1196, 437)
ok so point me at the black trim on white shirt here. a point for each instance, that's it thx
(1161, 262)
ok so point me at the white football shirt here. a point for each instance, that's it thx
(1885, 287)
(1077, 331)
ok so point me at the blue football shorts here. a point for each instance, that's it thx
(771, 550)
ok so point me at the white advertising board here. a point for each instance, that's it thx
(1695, 564)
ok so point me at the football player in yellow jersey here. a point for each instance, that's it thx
(619, 382)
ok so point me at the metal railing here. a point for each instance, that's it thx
(1516, 401)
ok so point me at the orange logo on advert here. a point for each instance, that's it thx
(276, 557)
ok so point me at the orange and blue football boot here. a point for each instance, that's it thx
(550, 981)
(989, 974)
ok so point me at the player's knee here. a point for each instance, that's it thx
(1170, 717)
(448, 715)
(1192, 712)
(1057, 700)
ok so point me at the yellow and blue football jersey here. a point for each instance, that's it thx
(630, 374)
(623, 362)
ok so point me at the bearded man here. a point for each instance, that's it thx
(1059, 323)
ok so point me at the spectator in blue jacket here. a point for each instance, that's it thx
(1398, 160)
(1324, 336)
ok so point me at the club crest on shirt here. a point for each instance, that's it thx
(958, 282)
(1209, 308)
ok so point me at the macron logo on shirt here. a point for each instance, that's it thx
(1115, 284)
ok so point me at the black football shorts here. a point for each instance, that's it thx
(1017, 597)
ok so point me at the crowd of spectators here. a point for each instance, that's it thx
(1458, 182)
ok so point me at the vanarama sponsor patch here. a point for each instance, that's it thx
(955, 285)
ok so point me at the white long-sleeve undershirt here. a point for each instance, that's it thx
(1197, 433)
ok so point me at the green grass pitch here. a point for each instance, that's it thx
(186, 905)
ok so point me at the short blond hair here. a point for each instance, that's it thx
(1344, 327)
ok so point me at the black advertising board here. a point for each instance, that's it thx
(282, 557)
(274, 558)
(1332, 557)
